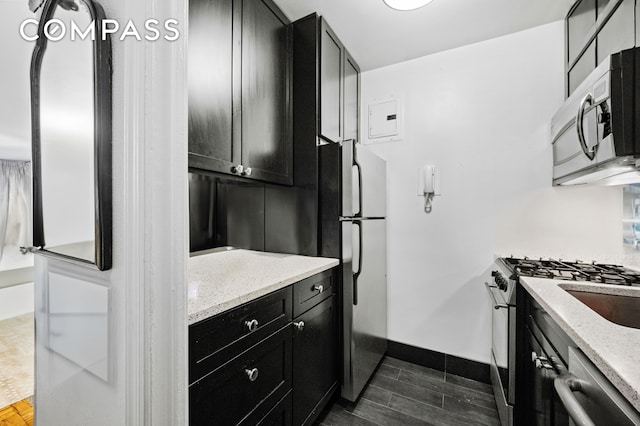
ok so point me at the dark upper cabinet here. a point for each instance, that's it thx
(331, 72)
(326, 85)
(267, 145)
(211, 95)
(351, 98)
(619, 32)
(578, 23)
(596, 29)
(240, 89)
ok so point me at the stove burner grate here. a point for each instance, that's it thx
(575, 271)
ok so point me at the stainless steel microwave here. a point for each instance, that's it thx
(596, 132)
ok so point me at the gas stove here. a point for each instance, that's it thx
(573, 271)
(501, 288)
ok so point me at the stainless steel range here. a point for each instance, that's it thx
(502, 291)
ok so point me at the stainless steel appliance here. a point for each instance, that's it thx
(570, 391)
(502, 291)
(595, 132)
(589, 398)
(353, 225)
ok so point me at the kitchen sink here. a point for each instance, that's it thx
(622, 310)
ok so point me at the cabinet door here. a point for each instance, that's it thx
(351, 98)
(211, 65)
(580, 21)
(267, 144)
(314, 360)
(619, 31)
(582, 68)
(331, 57)
(539, 387)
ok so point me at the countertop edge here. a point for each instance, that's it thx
(608, 370)
(211, 311)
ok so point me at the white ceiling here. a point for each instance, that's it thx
(377, 36)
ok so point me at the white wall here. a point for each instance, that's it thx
(15, 111)
(481, 113)
(16, 300)
(147, 330)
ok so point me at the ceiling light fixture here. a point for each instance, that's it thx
(406, 4)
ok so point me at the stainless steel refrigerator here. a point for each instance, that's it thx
(353, 203)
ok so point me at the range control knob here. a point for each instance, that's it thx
(501, 282)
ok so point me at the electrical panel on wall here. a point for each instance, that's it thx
(385, 120)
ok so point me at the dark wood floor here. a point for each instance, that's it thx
(401, 393)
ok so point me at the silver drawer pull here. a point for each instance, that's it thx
(251, 325)
(252, 374)
(299, 325)
(318, 288)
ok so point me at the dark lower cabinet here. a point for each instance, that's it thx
(280, 415)
(253, 365)
(243, 391)
(314, 360)
(540, 394)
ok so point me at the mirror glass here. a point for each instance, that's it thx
(74, 218)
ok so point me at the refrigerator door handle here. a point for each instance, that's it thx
(359, 168)
(357, 274)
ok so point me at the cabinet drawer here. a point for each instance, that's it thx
(230, 396)
(311, 291)
(280, 415)
(218, 339)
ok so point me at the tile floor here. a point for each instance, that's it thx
(401, 393)
(16, 359)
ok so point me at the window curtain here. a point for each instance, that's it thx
(15, 204)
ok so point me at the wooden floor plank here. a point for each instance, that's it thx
(460, 392)
(388, 371)
(18, 414)
(378, 395)
(409, 390)
(468, 383)
(413, 368)
(428, 413)
(485, 416)
(415, 396)
(385, 416)
(338, 416)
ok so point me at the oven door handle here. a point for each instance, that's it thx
(496, 305)
(566, 385)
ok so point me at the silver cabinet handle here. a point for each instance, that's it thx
(566, 385)
(496, 305)
(237, 169)
(299, 325)
(318, 288)
(252, 325)
(590, 153)
(246, 172)
(252, 374)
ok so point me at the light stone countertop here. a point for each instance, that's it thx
(224, 280)
(613, 348)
